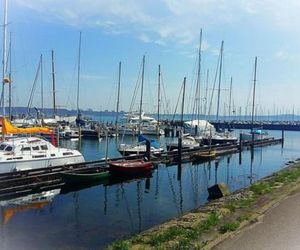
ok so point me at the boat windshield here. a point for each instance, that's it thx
(2, 147)
(5, 147)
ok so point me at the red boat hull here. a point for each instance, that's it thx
(130, 166)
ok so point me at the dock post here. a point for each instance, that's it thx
(282, 138)
(148, 148)
(216, 171)
(241, 142)
(179, 147)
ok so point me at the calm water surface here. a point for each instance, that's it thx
(92, 217)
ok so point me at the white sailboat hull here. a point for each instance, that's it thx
(20, 165)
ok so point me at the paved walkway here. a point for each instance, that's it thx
(279, 229)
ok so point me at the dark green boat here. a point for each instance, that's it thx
(84, 175)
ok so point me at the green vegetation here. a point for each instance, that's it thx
(120, 245)
(243, 217)
(184, 235)
(240, 207)
(228, 227)
(261, 188)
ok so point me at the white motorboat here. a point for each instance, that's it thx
(188, 142)
(257, 134)
(23, 153)
(140, 147)
(126, 149)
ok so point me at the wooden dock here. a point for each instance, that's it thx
(37, 180)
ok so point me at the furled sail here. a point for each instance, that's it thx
(7, 128)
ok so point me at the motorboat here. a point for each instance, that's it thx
(256, 134)
(188, 142)
(141, 147)
(24, 153)
(219, 138)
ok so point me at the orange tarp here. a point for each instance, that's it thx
(7, 128)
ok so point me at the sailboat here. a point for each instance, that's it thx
(187, 141)
(218, 137)
(255, 134)
(139, 128)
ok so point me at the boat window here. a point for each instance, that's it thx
(8, 148)
(25, 149)
(44, 147)
(35, 148)
(52, 154)
(2, 146)
(68, 153)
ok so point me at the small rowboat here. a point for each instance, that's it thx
(129, 167)
(204, 156)
(84, 175)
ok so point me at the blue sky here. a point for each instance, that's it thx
(167, 32)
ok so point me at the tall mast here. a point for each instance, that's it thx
(4, 52)
(229, 106)
(158, 98)
(78, 73)
(206, 92)
(220, 79)
(53, 83)
(10, 81)
(142, 89)
(42, 84)
(118, 97)
(182, 105)
(253, 99)
(198, 79)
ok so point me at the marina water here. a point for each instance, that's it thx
(90, 217)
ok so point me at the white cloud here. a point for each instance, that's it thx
(169, 21)
(144, 38)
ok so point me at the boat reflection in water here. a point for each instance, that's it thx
(35, 201)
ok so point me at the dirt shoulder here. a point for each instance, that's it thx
(206, 227)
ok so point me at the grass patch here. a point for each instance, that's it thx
(184, 235)
(119, 245)
(261, 188)
(243, 218)
(169, 234)
(228, 227)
